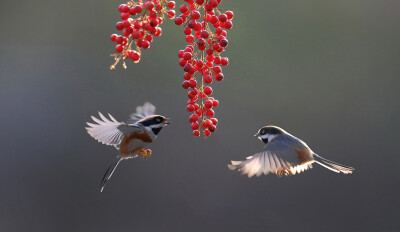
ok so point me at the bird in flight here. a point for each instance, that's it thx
(283, 154)
(130, 137)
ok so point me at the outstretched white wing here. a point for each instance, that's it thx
(110, 132)
(278, 155)
(146, 110)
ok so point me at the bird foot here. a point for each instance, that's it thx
(285, 172)
(144, 153)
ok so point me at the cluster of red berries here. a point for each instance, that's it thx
(139, 31)
(204, 26)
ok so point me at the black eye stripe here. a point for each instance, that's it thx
(152, 121)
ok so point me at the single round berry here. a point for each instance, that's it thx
(114, 37)
(205, 34)
(193, 118)
(210, 113)
(196, 133)
(135, 56)
(190, 108)
(229, 14)
(171, 4)
(195, 15)
(212, 128)
(214, 121)
(120, 26)
(228, 25)
(208, 90)
(185, 85)
(187, 56)
(178, 21)
(208, 104)
(207, 132)
(195, 125)
(193, 83)
(119, 48)
(215, 103)
(208, 79)
(219, 77)
(217, 69)
(183, 9)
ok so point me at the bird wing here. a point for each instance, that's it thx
(278, 155)
(144, 111)
(110, 132)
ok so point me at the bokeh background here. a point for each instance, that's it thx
(326, 71)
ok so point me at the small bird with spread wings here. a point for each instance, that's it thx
(283, 154)
(130, 137)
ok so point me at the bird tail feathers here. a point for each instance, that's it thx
(109, 172)
(339, 168)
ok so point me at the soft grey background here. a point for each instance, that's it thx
(326, 71)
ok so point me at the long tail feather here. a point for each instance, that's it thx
(333, 166)
(109, 172)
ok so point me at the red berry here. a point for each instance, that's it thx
(208, 79)
(215, 103)
(196, 133)
(178, 21)
(114, 37)
(208, 104)
(210, 113)
(187, 56)
(193, 83)
(200, 2)
(123, 8)
(125, 16)
(119, 48)
(189, 38)
(183, 9)
(187, 31)
(229, 14)
(228, 25)
(171, 4)
(213, 3)
(195, 125)
(207, 90)
(138, 9)
(190, 108)
(187, 76)
(193, 118)
(223, 18)
(120, 26)
(223, 42)
(182, 62)
(185, 85)
(217, 69)
(205, 34)
(171, 14)
(195, 15)
(135, 56)
(206, 132)
(224, 61)
(149, 38)
(219, 77)
(119, 39)
(145, 44)
(214, 121)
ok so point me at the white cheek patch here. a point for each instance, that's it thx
(156, 126)
(267, 136)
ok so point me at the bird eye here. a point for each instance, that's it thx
(262, 131)
(158, 120)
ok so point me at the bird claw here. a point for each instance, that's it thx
(145, 153)
(284, 172)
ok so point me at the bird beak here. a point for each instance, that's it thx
(256, 134)
(166, 121)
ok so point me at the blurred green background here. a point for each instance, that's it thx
(326, 71)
